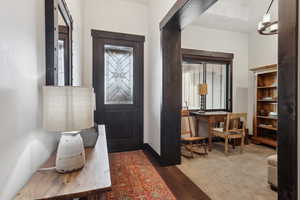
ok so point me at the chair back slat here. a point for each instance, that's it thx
(236, 122)
(185, 114)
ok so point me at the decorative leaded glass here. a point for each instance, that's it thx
(118, 75)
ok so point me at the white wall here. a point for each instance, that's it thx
(196, 37)
(263, 50)
(130, 16)
(133, 17)
(153, 81)
(122, 16)
(76, 9)
(24, 146)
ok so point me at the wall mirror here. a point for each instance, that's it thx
(59, 28)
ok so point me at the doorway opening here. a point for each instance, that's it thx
(182, 14)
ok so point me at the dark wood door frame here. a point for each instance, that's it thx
(207, 55)
(180, 15)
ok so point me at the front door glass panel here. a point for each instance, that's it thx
(118, 75)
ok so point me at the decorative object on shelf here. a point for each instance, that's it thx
(267, 98)
(274, 114)
(266, 125)
(203, 91)
(263, 113)
(266, 26)
(68, 110)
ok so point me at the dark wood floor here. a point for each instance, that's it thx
(181, 186)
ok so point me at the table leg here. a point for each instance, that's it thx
(226, 145)
(210, 135)
(196, 126)
(242, 144)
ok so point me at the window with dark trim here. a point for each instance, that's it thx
(211, 68)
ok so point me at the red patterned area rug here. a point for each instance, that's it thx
(135, 178)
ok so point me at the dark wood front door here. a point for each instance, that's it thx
(118, 81)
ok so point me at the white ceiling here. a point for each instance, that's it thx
(236, 15)
(139, 1)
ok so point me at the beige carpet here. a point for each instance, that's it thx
(236, 177)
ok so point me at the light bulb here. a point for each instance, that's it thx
(266, 19)
(260, 26)
(274, 28)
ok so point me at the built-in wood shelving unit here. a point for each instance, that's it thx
(265, 115)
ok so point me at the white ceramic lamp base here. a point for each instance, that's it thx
(70, 153)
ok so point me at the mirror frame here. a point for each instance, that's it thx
(52, 9)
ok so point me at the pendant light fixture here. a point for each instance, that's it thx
(266, 26)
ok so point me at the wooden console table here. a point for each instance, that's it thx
(211, 118)
(90, 183)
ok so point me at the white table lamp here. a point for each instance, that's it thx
(68, 110)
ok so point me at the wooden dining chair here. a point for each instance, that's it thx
(234, 128)
(191, 143)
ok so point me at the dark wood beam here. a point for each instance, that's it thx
(287, 99)
(184, 12)
(181, 14)
(117, 36)
(170, 112)
(207, 55)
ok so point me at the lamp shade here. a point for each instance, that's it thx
(67, 109)
(203, 89)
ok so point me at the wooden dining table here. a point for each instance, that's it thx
(211, 118)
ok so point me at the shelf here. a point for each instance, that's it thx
(266, 87)
(268, 128)
(267, 117)
(264, 68)
(264, 140)
(267, 100)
